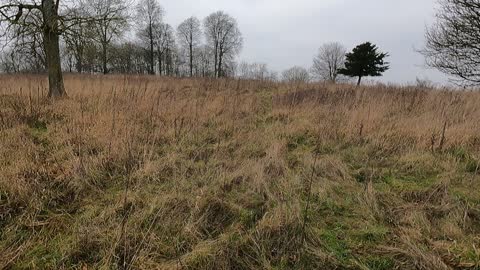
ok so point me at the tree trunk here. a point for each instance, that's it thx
(52, 50)
(216, 60)
(359, 80)
(220, 63)
(191, 57)
(152, 55)
(70, 64)
(168, 62)
(104, 58)
(79, 64)
(160, 63)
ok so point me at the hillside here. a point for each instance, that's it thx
(149, 173)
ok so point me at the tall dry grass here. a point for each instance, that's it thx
(145, 172)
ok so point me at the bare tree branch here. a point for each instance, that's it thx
(453, 42)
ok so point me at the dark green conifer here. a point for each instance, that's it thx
(365, 60)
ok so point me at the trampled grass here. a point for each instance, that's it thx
(158, 173)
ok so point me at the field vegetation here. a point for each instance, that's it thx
(142, 172)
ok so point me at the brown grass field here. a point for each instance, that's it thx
(160, 173)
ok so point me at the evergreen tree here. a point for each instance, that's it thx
(364, 60)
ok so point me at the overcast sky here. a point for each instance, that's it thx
(284, 33)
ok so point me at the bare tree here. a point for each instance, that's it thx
(128, 58)
(78, 37)
(329, 59)
(189, 37)
(111, 23)
(255, 71)
(149, 14)
(24, 18)
(203, 60)
(10, 62)
(296, 74)
(25, 53)
(224, 37)
(92, 58)
(165, 39)
(453, 42)
(170, 51)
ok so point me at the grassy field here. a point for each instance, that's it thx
(149, 173)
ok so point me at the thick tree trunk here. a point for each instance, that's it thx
(52, 50)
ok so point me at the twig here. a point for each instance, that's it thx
(442, 140)
(307, 207)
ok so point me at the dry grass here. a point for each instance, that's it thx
(144, 173)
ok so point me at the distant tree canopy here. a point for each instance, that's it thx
(189, 36)
(224, 38)
(329, 59)
(113, 36)
(255, 71)
(149, 19)
(453, 42)
(296, 74)
(365, 60)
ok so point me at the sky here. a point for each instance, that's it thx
(285, 33)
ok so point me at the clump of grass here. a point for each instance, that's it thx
(472, 166)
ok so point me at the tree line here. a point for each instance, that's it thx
(108, 36)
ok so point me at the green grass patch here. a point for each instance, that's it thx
(305, 141)
(379, 263)
(334, 242)
(373, 234)
(472, 166)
